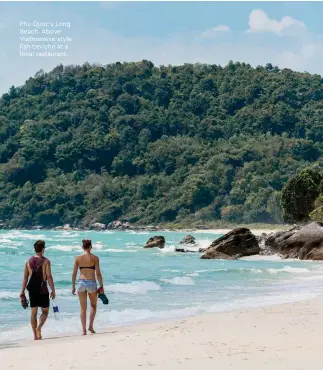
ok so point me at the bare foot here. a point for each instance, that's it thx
(38, 334)
(91, 330)
(84, 332)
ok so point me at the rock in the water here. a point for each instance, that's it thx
(188, 239)
(303, 242)
(239, 241)
(155, 242)
(215, 255)
(184, 250)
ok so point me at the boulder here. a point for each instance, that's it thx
(302, 242)
(67, 227)
(188, 239)
(238, 242)
(215, 255)
(97, 226)
(118, 225)
(155, 242)
(184, 250)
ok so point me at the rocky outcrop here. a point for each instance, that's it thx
(188, 239)
(202, 227)
(303, 242)
(118, 225)
(155, 242)
(215, 255)
(97, 226)
(238, 242)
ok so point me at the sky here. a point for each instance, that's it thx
(286, 34)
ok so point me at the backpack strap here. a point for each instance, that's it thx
(39, 266)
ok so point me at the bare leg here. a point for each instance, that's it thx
(42, 320)
(94, 301)
(83, 304)
(33, 320)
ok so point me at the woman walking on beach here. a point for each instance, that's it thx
(89, 266)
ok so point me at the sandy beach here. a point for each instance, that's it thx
(255, 231)
(281, 337)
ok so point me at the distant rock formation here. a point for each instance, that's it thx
(303, 242)
(188, 239)
(97, 226)
(239, 242)
(118, 225)
(155, 242)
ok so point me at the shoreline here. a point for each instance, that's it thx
(282, 335)
(255, 231)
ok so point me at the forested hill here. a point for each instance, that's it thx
(135, 142)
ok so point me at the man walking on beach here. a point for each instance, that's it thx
(36, 274)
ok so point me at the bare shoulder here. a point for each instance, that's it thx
(96, 258)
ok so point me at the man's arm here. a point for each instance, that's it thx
(98, 273)
(50, 280)
(74, 275)
(25, 279)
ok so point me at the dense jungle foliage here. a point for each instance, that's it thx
(302, 196)
(151, 145)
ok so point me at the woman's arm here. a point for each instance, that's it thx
(98, 273)
(74, 275)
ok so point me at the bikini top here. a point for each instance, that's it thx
(88, 267)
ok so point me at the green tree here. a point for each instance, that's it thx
(299, 194)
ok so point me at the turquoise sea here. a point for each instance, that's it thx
(146, 285)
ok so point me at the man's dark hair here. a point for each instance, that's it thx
(87, 244)
(39, 246)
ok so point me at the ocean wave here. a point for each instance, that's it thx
(114, 250)
(193, 274)
(311, 278)
(137, 232)
(288, 269)
(69, 322)
(65, 248)
(21, 235)
(170, 270)
(274, 257)
(204, 243)
(8, 247)
(7, 294)
(135, 287)
(5, 240)
(69, 234)
(167, 249)
(253, 270)
(179, 280)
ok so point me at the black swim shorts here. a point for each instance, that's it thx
(39, 300)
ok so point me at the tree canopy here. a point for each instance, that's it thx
(153, 144)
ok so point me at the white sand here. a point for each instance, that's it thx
(225, 231)
(257, 232)
(284, 337)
